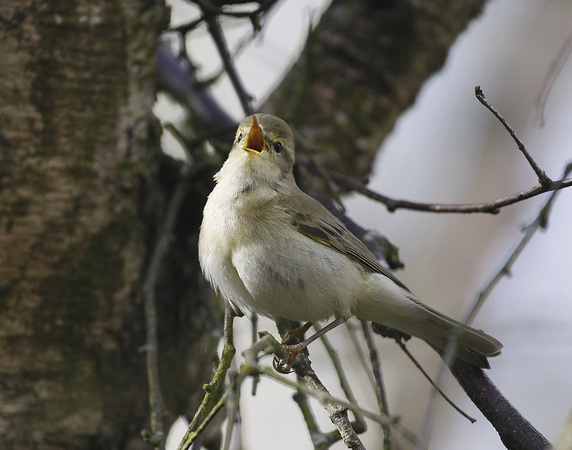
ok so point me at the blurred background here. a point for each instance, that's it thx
(447, 148)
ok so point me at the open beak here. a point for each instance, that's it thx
(254, 141)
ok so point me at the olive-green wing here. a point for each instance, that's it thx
(313, 220)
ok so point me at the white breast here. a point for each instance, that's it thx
(265, 265)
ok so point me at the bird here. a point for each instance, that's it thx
(268, 247)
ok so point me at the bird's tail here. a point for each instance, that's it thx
(402, 311)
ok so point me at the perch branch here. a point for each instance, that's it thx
(515, 431)
(337, 408)
(214, 391)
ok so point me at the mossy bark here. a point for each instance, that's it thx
(76, 137)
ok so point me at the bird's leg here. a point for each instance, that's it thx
(294, 349)
(297, 334)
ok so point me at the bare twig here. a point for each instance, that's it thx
(317, 437)
(324, 396)
(393, 204)
(233, 402)
(359, 424)
(437, 388)
(254, 16)
(186, 27)
(543, 179)
(157, 436)
(539, 222)
(214, 391)
(379, 384)
(212, 20)
(555, 69)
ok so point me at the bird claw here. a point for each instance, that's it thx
(295, 335)
(280, 367)
(292, 349)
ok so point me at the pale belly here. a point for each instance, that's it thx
(298, 279)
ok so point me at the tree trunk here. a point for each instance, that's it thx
(76, 137)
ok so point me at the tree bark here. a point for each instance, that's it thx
(77, 138)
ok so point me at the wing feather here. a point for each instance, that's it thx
(313, 220)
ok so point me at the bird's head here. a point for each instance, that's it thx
(264, 148)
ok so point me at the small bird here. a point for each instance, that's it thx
(267, 246)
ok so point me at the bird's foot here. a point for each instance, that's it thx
(295, 335)
(292, 349)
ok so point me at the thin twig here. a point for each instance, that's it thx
(324, 396)
(233, 402)
(543, 179)
(379, 384)
(426, 375)
(214, 391)
(317, 437)
(212, 413)
(359, 424)
(253, 338)
(393, 204)
(148, 292)
(539, 222)
(212, 20)
(186, 27)
(555, 69)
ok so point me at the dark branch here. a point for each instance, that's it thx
(514, 430)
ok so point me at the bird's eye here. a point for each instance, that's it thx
(278, 147)
(239, 138)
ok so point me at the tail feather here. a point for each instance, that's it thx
(472, 345)
(402, 311)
